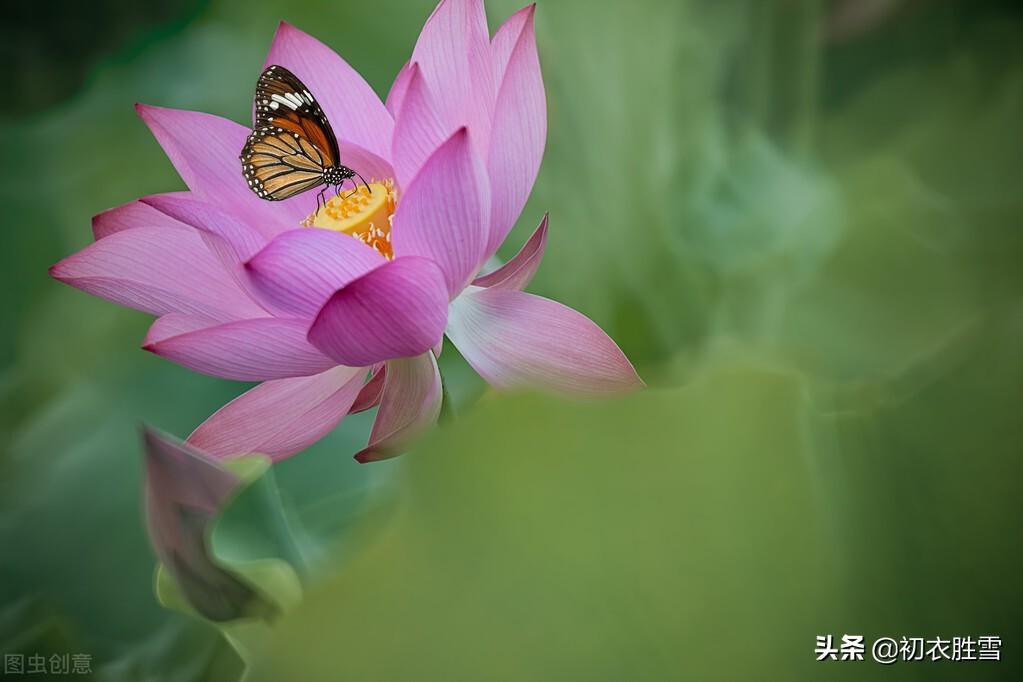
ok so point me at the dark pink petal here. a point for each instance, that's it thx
(300, 269)
(518, 135)
(280, 418)
(204, 149)
(409, 405)
(130, 215)
(398, 89)
(395, 311)
(518, 272)
(418, 130)
(158, 270)
(185, 490)
(351, 106)
(369, 396)
(256, 349)
(444, 214)
(453, 53)
(514, 339)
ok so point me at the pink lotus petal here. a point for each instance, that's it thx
(233, 240)
(369, 396)
(444, 214)
(505, 38)
(518, 272)
(204, 149)
(280, 418)
(418, 130)
(256, 349)
(518, 135)
(353, 109)
(175, 324)
(228, 238)
(298, 271)
(156, 269)
(514, 339)
(130, 215)
(398, 89)
(395, 311)
(453, 53)
(368, 164)
(409, 405)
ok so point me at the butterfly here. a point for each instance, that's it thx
(292, 147)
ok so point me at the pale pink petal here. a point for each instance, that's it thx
(369, 396)
(409, 405)
(351, 106)
(505, 38)
(256, 349)
(514, 339)
(204, 149)
(233, 240)
(444, 214)
(395, 311)
(398, 89)
(280, 418)
(518, 135)
(158, 270)
(519, 271)
(130, 215)
(453, 53)
(368, 164)
(418, 130)
(299, 270)
(175, 324)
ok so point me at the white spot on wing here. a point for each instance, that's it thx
(285, 100)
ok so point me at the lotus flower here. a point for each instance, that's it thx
(252, 290)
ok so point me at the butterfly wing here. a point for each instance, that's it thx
(283, 101)
(292, 143)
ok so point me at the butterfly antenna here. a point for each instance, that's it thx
(364, 183)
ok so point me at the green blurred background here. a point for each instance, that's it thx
(800, 219)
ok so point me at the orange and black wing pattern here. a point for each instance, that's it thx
(292, 143)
